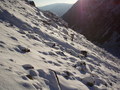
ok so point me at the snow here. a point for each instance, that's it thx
(49, 61)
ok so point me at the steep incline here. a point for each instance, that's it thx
(39, 52)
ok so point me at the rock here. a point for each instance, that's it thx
(72, 37)
(23, 49)
(30, 77)
(12, 60)
(51, 44)
(89, 84)
(31, 3)
(65, 31)
(84, 53)
(81, 66)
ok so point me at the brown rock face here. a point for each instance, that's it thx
(96, 19)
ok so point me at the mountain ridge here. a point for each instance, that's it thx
(57, 8)
(97, 20)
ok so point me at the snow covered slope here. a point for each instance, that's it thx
(38, 52)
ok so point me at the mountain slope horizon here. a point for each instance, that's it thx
(57, 8)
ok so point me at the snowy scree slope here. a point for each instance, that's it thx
(39, 52)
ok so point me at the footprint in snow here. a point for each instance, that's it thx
(72, 59)
(22, 32)
(37, 86)
(27, 66)
(27, 85)
(1, 64)
(60, 53)
(2, 44)
(45, 53)
(68, 75)
(48, 53)
(31, 75)
(54, 63)
(31, 71)
(59, 62)
(13, 38)
(52, 53)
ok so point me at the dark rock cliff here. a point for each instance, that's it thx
(98, 20)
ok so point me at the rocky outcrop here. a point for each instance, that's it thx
(31, 3)
(96, 19)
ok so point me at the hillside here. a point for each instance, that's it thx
(99, 21)
(39, 52)
(59, 8)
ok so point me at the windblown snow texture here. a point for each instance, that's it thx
(39, 52)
